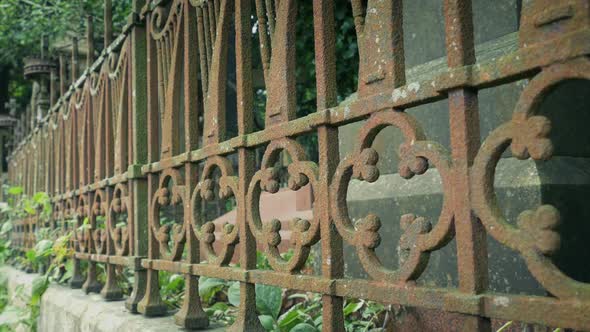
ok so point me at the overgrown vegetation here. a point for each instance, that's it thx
(49, 255)
(279, 310)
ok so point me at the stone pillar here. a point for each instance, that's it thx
(39, 69)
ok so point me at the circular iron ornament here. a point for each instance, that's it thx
(99, 209)
(82, 236)
(205, 230)
(304, 233)
(69, 213)
(119, 233)
(419, 237)
(527, 134)
(168, 197)
(57, 217)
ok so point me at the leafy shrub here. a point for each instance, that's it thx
(278, 310)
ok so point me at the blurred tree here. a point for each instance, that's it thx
(24, 22)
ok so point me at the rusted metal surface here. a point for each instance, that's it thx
(125, 139)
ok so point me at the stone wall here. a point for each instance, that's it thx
(70, 310)
(563, 181)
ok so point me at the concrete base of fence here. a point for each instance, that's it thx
(64, 310)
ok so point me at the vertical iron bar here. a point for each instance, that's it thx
(150, 304)
(332, 255)
(191, 314)
(247, 319)
(464, 124)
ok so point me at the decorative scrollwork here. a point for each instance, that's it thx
(118, 61)
(99, 210)
(419, 237)
(97, 81)
(165, 21)
(81, 232)
(81, 95)
(58, 217)
(205, 230)
(119, 232)
(168, 197)
(527, 134)
(304, 233)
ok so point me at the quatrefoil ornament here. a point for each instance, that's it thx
(368, 232)
(117, 227)
(541, 226)
(535, 234)
(304, 233)
(531, 138)
(170, 192)
(419, 237)
(365, 168)
(409, 164)
(412, 227)
(220, 250)
(269, 181)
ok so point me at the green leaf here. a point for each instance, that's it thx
(44, 247)
(15, 191)
(69, 272)
(233, 294)
(208, 287)
(31, 255)
(5, 207)
(267, 322)
(352, 307)
(292, 317)
(304, 327)
(11, 315)
(29, 209)
(40, 285)
(85, 225)
(318, 321)
(175, 282)
(216, 309)
(40, 197)
(269, 300)
(6, 227)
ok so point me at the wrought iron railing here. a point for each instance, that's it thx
(127, 138)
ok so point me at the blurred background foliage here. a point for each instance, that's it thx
(23, 24)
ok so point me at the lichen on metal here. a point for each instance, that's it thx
(171, 69)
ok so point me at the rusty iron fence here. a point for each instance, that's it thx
(126, 140)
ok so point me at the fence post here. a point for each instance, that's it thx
(139, 186)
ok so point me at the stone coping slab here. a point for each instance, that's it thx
(64, 310)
